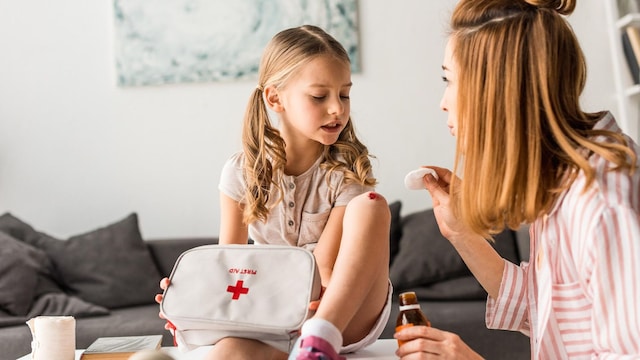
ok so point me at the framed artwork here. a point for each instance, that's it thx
(178, 41)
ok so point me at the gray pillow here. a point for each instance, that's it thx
(425, 257)
(20, 268)
(110, 266)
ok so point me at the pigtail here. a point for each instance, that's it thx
(264, 158)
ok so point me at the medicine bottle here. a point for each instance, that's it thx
(410, 313)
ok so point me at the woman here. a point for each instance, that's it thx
(527, 154)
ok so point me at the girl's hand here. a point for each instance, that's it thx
(164, 284)
(422, 342)
(313, 306)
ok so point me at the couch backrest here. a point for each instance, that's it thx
(165, 252)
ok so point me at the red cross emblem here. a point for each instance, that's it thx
(237, 290)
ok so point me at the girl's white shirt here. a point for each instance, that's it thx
(299, 219)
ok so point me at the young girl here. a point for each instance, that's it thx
(308, 182)
(527, 153)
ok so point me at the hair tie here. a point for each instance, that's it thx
(259, 87)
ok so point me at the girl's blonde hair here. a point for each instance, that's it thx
(522, 136)
(264, 148)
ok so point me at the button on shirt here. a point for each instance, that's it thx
(579, 297)
(308, 198)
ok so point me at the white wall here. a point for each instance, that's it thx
(77, 152)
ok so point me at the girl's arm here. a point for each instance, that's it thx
(232, 229)
(326, 250)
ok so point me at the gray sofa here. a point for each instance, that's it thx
(107, 279)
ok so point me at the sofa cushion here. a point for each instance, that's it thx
(20, 268)
(165, 252)
(110, 266)
(395, 231)
(27, 288)
(425, 257)
(462, 288)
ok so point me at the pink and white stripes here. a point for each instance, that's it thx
(579, 296)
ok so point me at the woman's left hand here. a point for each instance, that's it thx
(423, 342)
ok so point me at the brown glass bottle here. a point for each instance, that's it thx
(410, 313)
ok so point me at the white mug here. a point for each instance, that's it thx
(54, 337)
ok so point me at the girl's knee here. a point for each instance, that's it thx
(370, 205)
(369, 199)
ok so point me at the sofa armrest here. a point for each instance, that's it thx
(165, 252)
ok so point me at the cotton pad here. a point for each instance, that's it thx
(413, 180)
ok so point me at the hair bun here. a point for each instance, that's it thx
(564, 7)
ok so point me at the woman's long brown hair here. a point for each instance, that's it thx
(522, 136)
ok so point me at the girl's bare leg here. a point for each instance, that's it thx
(359, 283)
(243, 349)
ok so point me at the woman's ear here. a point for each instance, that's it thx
(272, 99)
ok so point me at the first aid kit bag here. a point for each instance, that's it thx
(258, 292)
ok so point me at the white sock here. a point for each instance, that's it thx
(324, 329)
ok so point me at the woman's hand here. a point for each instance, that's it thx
(439, 189)
(423, 342)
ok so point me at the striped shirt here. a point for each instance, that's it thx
(579, 295)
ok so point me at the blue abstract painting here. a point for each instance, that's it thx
(176, 41)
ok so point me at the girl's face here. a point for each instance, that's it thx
(449, 98)
(314, 103)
